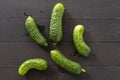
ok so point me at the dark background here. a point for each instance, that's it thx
(101, 19)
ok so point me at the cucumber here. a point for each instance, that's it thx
(35, 63)
(65, 63)
(56, 23)
(34, 33)
(79, 43)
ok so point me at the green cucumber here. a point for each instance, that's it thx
(34, 32)
(35, 63)
(79, 43)
(56, 23)
(65, 63)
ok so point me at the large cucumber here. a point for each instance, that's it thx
(35, 63)
(56, 23)
(79, 42)
(33, 31)
(65, 63)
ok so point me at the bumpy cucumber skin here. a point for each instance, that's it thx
(65, 63)
(35, 63)
(79, 43)
(56, 23)
(34, 32)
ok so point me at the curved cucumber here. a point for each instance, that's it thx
(65, 63)
(56, 23)
(36, 63)
(79, 42)
(34, 32)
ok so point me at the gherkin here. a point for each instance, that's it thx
(34, 63)
(79, 43)
(56, 23)
(34, 32)
(65, 63)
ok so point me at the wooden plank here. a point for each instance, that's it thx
(77, 8)
(56, 73)
(101, 19)
(97, 27)
(14, 53)
(96, 30)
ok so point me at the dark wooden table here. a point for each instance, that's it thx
(101, 19)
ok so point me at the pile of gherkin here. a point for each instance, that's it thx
(55, 34)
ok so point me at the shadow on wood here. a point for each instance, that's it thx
(55, 73)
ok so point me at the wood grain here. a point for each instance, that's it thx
(77, 8)
(101, 19)
(56, 73)
(103, 54)
(96, 30)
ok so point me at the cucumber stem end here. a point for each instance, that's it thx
(83, 70)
